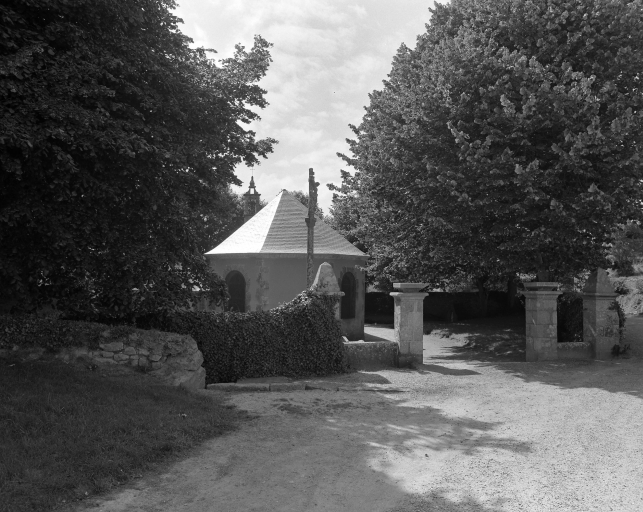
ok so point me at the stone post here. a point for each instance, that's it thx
(541, 321)
(600, 318)
(409, 322)
(326, 283)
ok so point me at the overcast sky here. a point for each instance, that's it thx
(327, 56)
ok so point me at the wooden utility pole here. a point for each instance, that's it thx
(310, 222)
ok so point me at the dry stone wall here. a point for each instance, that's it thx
(173, 358)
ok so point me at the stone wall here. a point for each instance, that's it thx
(368, 354)
(173, 358)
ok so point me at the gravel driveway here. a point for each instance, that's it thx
(473, 429)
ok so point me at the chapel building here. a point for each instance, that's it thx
(264, 261)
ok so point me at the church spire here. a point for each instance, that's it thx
(250, 201)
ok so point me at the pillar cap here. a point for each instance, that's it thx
(541, 286)
(598, 283)
(409, 295)
(409, 287)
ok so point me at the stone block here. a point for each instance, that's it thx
(143, 352)
(106, 354)
(404, 347)
(129, 351)
(287, 386)
(114, 346)
(253, 387)
(417, 347)
(574, 350)
(156, 365)
(121, 357)
(541, 349)
(362, 354)
(222, 386)
(155, 357)
(542, 317)
(133, 361)
(143, 361)
(80, 351)
(541, 331)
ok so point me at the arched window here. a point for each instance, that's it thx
(237, 290)
(350, 295)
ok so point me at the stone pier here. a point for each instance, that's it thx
(600, 318)
(409, 322)
(541, 321)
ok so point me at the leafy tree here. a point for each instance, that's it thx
(344, 211)
(117, 145)
(223, 220)
(507, 141)
(303, 198)
(626, 248)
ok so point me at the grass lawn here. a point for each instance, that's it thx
(67, 432)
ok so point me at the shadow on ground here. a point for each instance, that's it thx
(500, 343)
(395, 454)
(482, 339)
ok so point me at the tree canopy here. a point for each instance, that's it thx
(118, 143)
(304, 198)
(508, 140)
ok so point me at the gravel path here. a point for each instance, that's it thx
(475, 429)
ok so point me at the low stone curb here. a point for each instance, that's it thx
(292, 386)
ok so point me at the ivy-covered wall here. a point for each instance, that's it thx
(298, 338)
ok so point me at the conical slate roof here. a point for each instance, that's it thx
(280, 228)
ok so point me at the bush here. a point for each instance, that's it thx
(300, 337)
(620, 285)
(570, 317)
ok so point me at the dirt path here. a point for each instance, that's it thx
(474, 430)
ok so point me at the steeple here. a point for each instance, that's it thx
(250, 201)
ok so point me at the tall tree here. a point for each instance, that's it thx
(303, 198)
(117, 145)
(507, 141)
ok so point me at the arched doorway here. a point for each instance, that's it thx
(237, 290)
(349, 288)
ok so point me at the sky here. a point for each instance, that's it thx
(328, 55)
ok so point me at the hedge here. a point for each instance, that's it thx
(299, 338)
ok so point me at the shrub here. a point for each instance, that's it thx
(621, 319)
(620, 285)
(300, 337)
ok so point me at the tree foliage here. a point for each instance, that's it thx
(117, 146)
(507, 141)
(303, 198)
(627, 248)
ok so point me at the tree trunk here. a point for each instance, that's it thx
(483, 295)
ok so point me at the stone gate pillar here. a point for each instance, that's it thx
(600, 318)
(541, 321)
(326, 283)
(409, 322)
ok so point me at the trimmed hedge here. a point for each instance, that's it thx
(299, 338)
(51, 333)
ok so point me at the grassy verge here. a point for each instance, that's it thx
(67, 432)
